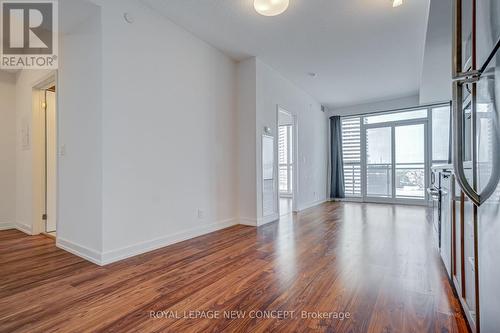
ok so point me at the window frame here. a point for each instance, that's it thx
(429, 162)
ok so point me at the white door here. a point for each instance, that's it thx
(51, 160)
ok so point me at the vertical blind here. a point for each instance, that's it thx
(351, 147)
(285, 159)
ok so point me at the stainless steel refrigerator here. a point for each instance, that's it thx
(476, 160)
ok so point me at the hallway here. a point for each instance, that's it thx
(373, 264)
(285, 206)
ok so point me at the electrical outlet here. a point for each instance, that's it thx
(201, 214)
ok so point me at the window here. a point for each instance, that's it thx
(440, 134)
(379, 162)
(285, 159)
(396, 116)
(386, 156)
(410, 161)
(351, 149)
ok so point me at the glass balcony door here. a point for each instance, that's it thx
(379, 162)
(410, 161)
(395, 161)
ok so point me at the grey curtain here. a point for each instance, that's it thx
(337, 189)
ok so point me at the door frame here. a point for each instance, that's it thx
(38, 165)
(295, 152)
(427, 161)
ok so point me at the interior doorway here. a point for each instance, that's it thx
(50, 160)
(45, 102)
(286, 161)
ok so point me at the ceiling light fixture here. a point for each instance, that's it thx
(396, 3)
(270, 7)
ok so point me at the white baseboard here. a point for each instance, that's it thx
(27, 229)
(248, 221)
(79, 250)
(6, 225)
(312, 204)
(268, 219)
(150, 245)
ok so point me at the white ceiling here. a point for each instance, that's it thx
(72, 13)
(362, 50)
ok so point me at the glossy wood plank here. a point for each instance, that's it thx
(375, 262)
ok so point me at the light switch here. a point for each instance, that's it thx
(62, 150)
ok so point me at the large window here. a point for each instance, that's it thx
(387, 156)
(285, 157)
(440, 134)
(410, 161)
(396, 116)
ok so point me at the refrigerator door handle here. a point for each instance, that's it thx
(458, 160)
(457, 139)
(459, 78)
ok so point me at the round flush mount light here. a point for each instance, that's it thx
(270, 7)
(396, 3)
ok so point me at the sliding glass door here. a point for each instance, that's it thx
(379, 162)
(388, 155)
(409, 141)
(395, 161)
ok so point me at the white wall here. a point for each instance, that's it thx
(247, 144)
(273, 90)
(169, 129)
(161, 137)
(80, 130)
(177, 139)
(79, 125)
(435, 83)
(260, 91)
(7, 150)
(392, 104)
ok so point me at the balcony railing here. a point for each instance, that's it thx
(352, 180)
(410, 180)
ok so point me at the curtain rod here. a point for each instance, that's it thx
(423, 106)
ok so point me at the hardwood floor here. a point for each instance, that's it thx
(374, 264)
